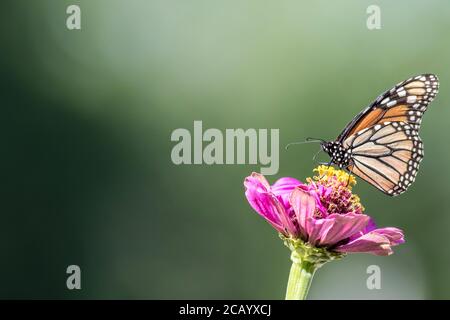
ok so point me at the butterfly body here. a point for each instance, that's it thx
(339, 155)
(381, 144)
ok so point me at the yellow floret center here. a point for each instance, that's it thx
(328, 174)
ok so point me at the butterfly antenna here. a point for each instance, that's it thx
(317, 153)
(307, 140)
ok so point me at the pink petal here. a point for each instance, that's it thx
(285, 184)
(259, 179)
(283, 187)
(335, 228)
(370, 227)
(316, 228)
(319, 193)
(394, 235)
(284, 218)
(261, 200)
(304, 206)
(344, 226)
(371, 242)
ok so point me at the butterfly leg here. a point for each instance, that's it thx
(348, 181)
(328, 164)
(349, 173)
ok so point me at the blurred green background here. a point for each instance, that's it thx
(86, 118)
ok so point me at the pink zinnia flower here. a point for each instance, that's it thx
(324, 213)
(319, 221)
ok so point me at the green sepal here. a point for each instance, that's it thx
(304, 252)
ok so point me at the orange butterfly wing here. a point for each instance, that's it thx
(384, 141)
(386, 155)
(405, 102)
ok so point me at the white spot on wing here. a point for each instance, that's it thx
(411, 99)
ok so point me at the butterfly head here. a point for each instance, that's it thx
(338, 154)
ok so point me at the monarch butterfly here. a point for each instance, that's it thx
(381, 144)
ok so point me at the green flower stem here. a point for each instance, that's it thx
(306, 259)
(300, 279)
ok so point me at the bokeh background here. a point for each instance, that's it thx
(86, 118)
